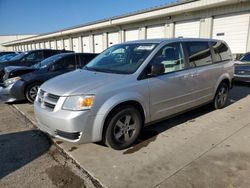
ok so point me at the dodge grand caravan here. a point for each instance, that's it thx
(134, 84)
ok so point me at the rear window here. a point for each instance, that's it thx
(199, 53)
(222, 52)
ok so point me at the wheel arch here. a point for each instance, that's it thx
(112, 104)
(137, 105)
(223, 78)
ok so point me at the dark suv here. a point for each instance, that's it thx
(23, 82)
(29, 58)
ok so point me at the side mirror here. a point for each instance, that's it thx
(157, 69)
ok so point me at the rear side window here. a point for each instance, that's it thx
(222, 52)
(68, 62)
(199, 53)
(48, 53)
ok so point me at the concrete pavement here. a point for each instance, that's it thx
(27, 158)
(197, 149)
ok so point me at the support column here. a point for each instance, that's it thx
(248, 37)
(105, 40)
(70, 43)
(121, 36)
(80, 46)
(91, 43)
(142, 33)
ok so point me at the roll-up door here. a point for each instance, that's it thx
(190, 29)
(86, 44)
(47, 45)
(52, 44)
(113, 38)
(33, 46)
(76, 45)
(98, 43)
(132, 34)
(155, 32)
(59, 44)
(233, 29)
(42, 45)
(66, 44)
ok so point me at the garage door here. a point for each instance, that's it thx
(155, 32)
(59, 44)
(232, 29)
(189, 29)
(41, 45)
(47, 45)
(98, 47)
(37, 46)
(52, 44)
(132, 34)
(76, 45)
(113, 38)
(86, 44)
(66, 44)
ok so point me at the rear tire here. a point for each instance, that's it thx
(123, 127)
(221, 96)
(31, 92)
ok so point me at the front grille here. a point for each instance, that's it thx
(242, 72)
(48, 105)
(71, 136)
(47, 100)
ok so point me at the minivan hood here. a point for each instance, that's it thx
(78, 82)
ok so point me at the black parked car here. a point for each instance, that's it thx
(242, 69)
(23, 82)
(8, 57)
(29, 58)
(6, 52)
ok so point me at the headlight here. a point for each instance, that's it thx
(11, 81)
(77, 103)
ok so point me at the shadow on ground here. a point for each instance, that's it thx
(150, 133)
(19, 148)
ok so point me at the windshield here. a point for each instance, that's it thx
(122, 58)
(7, 57)
(19, 56)
(47, 61)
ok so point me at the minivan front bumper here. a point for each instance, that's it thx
(71, 126)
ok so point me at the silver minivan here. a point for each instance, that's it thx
(134, 84)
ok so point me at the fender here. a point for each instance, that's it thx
(222, 77)
(110, 104)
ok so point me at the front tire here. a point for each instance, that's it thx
(123, 127)
(221, 96)
(31, 92)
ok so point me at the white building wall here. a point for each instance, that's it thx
(8, 38)
(194, 19)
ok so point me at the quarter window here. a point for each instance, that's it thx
(171, 56)
(199, 54)
(222, 52)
